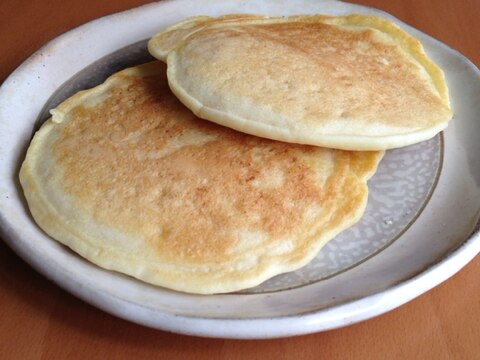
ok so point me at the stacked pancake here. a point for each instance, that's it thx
(283, 121)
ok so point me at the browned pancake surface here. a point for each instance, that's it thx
(354, 82)
(146, 188)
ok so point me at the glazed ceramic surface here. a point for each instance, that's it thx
(419, 228)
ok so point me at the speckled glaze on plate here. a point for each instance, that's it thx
(420, 226)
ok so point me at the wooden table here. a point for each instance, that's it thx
(40, 321)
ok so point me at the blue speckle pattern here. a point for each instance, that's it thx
(398, 192)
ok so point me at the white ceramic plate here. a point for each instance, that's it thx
(420, 227)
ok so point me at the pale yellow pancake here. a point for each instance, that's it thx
(130, 179)
(355, 82)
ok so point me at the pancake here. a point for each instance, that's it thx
(131, 180)
(354, 82)
(165, 41)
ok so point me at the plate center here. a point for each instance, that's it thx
(398, 191)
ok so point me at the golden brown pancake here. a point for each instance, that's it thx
(165, 41)
(355, 82)
(131, 180)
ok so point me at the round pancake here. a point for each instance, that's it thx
(165, 41)
(355, 82)
(131, 180)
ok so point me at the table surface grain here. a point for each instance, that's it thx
(41, 321)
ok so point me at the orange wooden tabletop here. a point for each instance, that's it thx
(41, 321)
